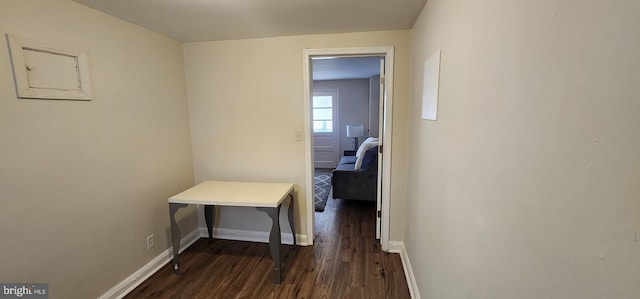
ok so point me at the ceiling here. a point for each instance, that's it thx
(211, 20)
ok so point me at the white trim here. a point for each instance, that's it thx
(308, 143)
(388, 53)
(251, 236)
(387, 141)
(128, 284)
(398, 247)
(19, 46)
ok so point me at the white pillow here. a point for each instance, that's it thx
(365, 147)
(362, 149)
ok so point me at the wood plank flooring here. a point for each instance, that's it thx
(345, 262)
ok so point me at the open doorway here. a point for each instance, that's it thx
(345, 105)
(368, 121)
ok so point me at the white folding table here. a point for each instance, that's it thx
(265, 197)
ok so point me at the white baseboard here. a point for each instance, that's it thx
(398, 247)
(252, 236)
(135, 279)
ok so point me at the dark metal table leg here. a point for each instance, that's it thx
(209, 211)
(290, 215)
(274, 239)
(175, 234)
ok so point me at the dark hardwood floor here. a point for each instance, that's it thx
(345, 262)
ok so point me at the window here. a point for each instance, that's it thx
(322, 114)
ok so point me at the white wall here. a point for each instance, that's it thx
(83, 183)
(353, 107)
(246, 102)
(528, 185)
(374, 106)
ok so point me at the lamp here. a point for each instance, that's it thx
(355, 131)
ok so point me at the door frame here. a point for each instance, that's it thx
(388, 53)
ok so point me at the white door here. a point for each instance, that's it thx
(325, 135)
(380, 147)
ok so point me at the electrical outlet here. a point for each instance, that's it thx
(150, 241)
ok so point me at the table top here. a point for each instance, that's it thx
(240, 194)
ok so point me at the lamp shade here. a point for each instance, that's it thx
(355, 130)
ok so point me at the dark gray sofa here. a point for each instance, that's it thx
(361, 184)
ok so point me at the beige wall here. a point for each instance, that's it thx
(246, 102)
(83, 183)
(528, 185)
